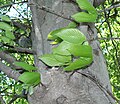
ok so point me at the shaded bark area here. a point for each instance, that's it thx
(82, 87)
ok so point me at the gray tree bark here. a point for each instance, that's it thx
(87, 86)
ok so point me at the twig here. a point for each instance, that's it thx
(3, 90)
(53, 12)
(104, 38)
(111, 7)
(19, 12)
(12, 4)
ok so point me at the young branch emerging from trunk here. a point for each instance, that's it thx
(9, 59)
(9, 72)
(46, 9)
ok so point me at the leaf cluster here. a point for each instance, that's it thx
(71, 52)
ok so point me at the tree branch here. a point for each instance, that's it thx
(9, 72)
(9, 59)
(104, 38)
(19, 49)
(20, 25)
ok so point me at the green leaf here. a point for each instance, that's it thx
(66, 48)
(5, 18)
(10, 35)
(58, 40)
(62, 49)
(84, 17)
(50, 60)
(71, 35)
(81, 50)
(52, 34)
(72, 25)
(5, 26)
(25, 66)
(86, 5)
(63, 58)
(79, 63)
(30, 78)
(5, 39)
(89, 16)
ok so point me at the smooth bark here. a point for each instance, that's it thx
(82, 87)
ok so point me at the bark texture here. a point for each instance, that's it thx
(60, 87)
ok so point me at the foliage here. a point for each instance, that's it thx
(89, 16)
(29, 78)
(9, 36)
(108, 26)
(72, 42)
(71, 47)
(9, 88)
(25, 66)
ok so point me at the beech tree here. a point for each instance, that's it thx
(44, 84)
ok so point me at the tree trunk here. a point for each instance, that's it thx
(87, 86)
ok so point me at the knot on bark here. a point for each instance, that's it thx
(61, 99)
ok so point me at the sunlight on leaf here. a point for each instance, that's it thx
(72, 25)
(50, 60)
(78, 63)
(5, 39)
(10, 35)
(30, 78)
(72, 35)
(5, 26)
(25, 66)
(5, 18)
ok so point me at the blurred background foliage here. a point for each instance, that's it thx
(107, 25)
(20, 23)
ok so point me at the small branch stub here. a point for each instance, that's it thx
(98, 2)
